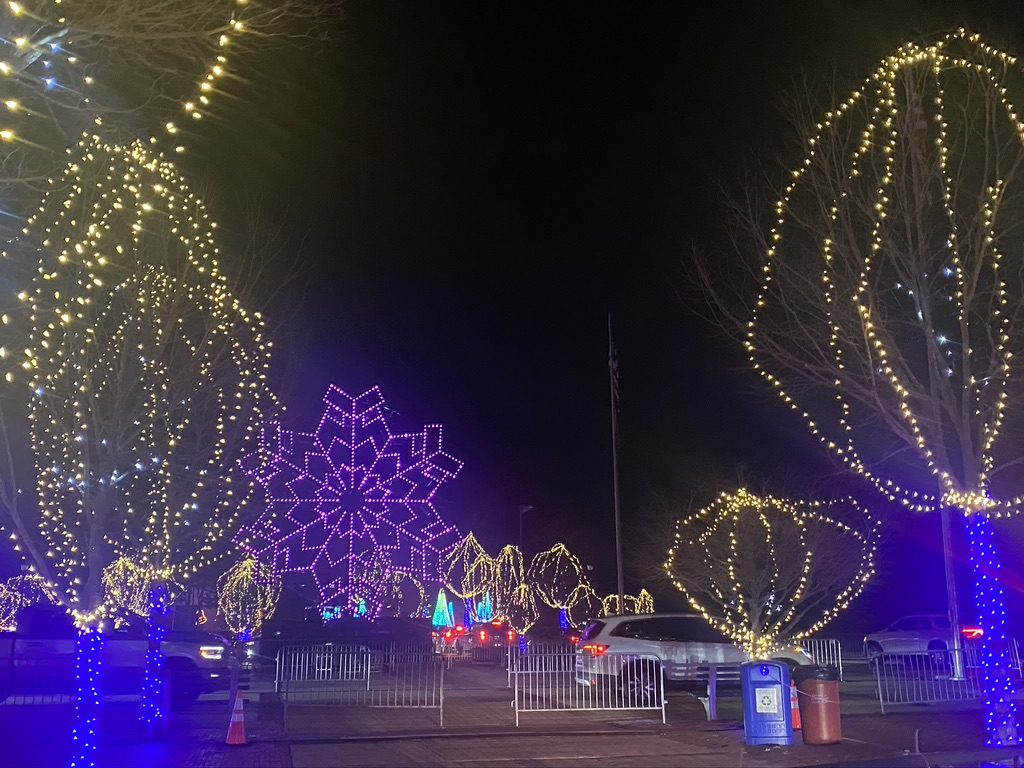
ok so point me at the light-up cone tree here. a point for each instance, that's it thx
(148, 381)
(764, 570)
(892, 305)
(555, 574)
(352, 498)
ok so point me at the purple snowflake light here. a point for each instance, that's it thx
(352, 503)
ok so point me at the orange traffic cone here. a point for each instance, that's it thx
(236, 730)
(794, 704)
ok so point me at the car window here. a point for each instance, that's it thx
(691, 629)
(902, 625)
(942, 622)
(593, 628)
(677, 629)
(642, 629)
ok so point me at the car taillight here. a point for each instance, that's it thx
(595, 648)
(574, 639)
(972, 633)
(483, 635)
(511, 635)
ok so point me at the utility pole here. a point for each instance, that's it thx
(613, 380)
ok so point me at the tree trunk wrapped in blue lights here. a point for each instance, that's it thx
(88, 667)
(891, 308)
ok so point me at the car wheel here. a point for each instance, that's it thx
(641, 685)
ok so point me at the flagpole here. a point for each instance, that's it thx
(613, 381)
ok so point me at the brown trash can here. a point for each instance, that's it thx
(818, 691)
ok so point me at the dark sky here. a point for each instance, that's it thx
(476, 186)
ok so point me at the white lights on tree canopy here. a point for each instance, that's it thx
(891, 313)
(148, 379)
(764, 570)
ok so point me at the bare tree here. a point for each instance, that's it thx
(136, 68)
(763, 570)
(892, 299)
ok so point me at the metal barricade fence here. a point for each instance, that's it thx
(825, 651)
(918, 678)
(358, 675)
(549, 682)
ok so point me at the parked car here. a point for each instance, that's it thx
(683, 646)
(39, 658)
(922, 634)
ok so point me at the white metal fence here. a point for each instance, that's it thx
(550, 681)
(825, 652)
(347, 675)
(933, 677)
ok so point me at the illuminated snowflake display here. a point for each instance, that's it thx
(351, 502)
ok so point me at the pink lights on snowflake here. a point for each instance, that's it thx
(352, 503)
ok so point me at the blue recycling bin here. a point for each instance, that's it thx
(767, 713)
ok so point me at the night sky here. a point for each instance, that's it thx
(467, 190)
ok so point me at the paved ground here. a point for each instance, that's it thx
(479, 731)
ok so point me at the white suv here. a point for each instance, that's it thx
(917, 635)
(683, 644)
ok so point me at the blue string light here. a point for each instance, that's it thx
(88, 661)
(153, 681)
(998, 692)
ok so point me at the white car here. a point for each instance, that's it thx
(923, 634)
(683, 645)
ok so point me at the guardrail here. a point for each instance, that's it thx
(933, 677)
(825, 651)
(347, 675)
(556, 682)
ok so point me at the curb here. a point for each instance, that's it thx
(460, 734)
(963, 757)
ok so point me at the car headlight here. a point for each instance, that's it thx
(212, 652)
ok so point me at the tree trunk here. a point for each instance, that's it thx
(88, 666)
(1001, 719)
(153, 714)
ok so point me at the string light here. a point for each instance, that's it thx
(126, 586)
(747, 565)
(584, 605)
(352, 498)
(247, 595)
(915, 301)
(632, 604)
(139, 440)
(555, 574)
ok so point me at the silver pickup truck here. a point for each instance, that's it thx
(39, 659)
